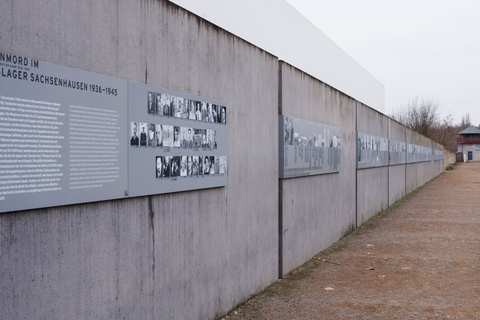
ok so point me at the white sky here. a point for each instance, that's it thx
(424, 48)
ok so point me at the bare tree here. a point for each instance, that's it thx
(445, 133)
(465, 121)
(420, 115)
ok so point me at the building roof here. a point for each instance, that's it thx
(470, 130)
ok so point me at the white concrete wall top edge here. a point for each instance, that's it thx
(298, 43)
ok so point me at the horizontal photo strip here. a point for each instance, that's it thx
(166, 105)
(189, 166)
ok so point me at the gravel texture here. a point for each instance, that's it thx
(418, 260)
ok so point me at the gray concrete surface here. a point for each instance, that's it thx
(317, 210)
(186, 255)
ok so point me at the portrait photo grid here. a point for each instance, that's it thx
(166, 136)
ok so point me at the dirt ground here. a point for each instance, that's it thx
(418, 260)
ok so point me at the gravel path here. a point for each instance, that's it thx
(419, 260)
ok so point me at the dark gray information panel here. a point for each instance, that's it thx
(372, 150)
(307, 148)
(416, 153)
(61, 135)
(398, 152)
(437, 154)
(176, 141)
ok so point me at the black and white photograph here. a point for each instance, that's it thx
(204, 112)
(192, 110)
(206, 165)
(186, 106)
(223, 164)
(166, 104)
(189, 166)
(198, 111)
(197, 138)
(204, 138)
(167, 136)
(212, 165)
(195, 167)
(289, 131)
(177, 107)
(217, 164)
(214, 139)
(151, 135)
(134, 140)
(183, 166)
(183, 137)
(175, 166)
(209, 113)
(176, 136)
(158, 104)
(189, 142)
(151, 103)
(200, 166)
(167, 166)
(143, 134)
(214, 113)
(159, 167)
(223, 115)
(158, 135)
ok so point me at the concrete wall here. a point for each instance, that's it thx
(372, 183)
(317, 210)
(396, 173)
(196, 254)
(188, 255)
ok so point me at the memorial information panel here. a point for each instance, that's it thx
(307, 148)
(437, 154)
(372, 151)
(416, 153)
(398, 152)
(66, 137)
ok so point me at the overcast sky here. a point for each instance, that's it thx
(423, 48)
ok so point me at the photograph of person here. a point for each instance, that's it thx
(159, 166)
(204, 138)
(134, 141)
(195, 166)
(214, 113)
(288, 133)
(167, 136)
(214, 139)
(179, 109)
(198, 112)
(212, 164)
(197, 138)
(186, 106)
(224, 115)
(223, 164)
(175, 166)
(158, 135)
(183, 137)
(176, 136)
(206, 165)
(189, 166)
(217, 164)
(192, 109)
(200, 166)
(183, 166)
(166, 105)
(151, 135)
(204, 112)
(151, 103)
(189, 144)
(209, 113)
(143, 134)
(209, 138)
(159, 104)
(166, 166)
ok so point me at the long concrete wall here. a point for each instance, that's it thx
(195, 254)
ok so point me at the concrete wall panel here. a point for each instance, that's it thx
(372, 193)
(396, 183)
(317, 210)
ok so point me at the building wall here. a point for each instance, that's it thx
(474, 148)
(186, 255)
(317, 210)
(195, 254)
(371, 181)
